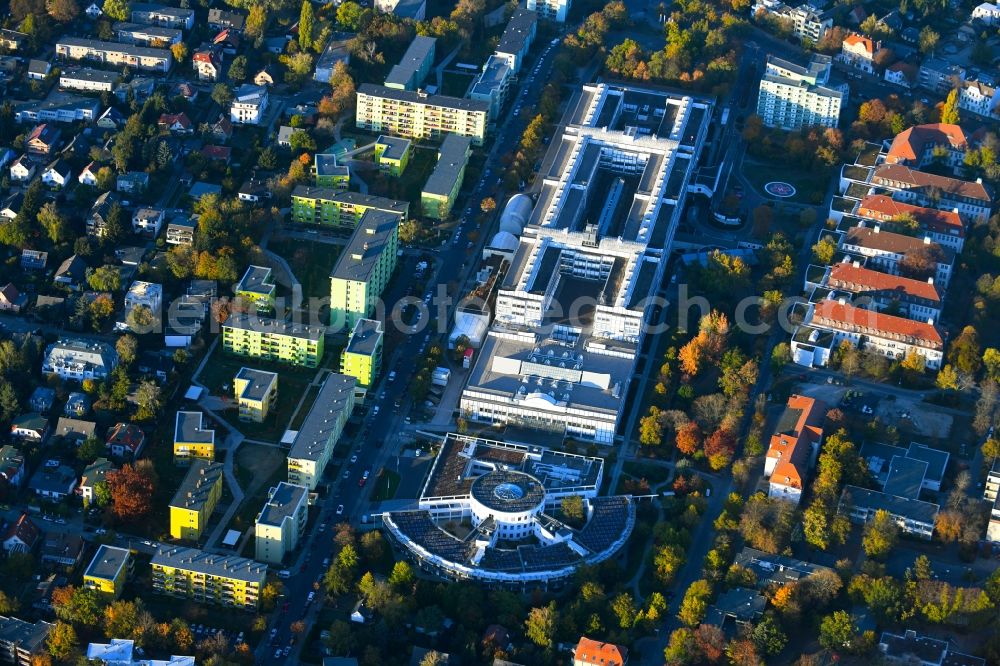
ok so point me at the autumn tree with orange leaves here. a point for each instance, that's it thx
(132, 490)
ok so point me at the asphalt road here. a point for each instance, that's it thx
(383, 420)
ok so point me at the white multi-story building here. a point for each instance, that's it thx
(165, 15)
(830, 322)
(805, 21)
(792, 97)
(509, 492)
(248, 105)
(887, 251)
(114, 53)
(979, 98)
(416, 114)
(987, 12)
(79, 359)
(492, 84)
(87, 79)
(144, 294)
(517, 38)
(148, 221)
(551, 10)
(570, 311)
(281, 522)
(858, 51)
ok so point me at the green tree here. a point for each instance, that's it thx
(238, 68)
(572, 509)
(949, 110)
(89, 449)
(837, 631)
(306, 24)
(881, 534)
(991, 361)
(222, 95)
(929, 39)
(824, 250)
(695, 603)
(349, 15)
(623, 606)
(651, 428)
(105, 278)
(8, 604)
(768, 636)
(62, 641)
(53, 222)
(781, 356)
(256, 19)
(127, 347)
(965, 353)
(947, 379)
(402, 576)
(116, 10)
(540, 627)
(102, 493)
(147, 399)
(682, 649)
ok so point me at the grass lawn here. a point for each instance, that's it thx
(810, 186)
(310, 261)
(652, 473)
(385, 486)
(455, 84)
(407, 186)
(217, 376)
(258, 468)
(300, 416)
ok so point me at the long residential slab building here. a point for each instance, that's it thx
(113, 53)
(419, 115)
(598, 236)
(318, 435)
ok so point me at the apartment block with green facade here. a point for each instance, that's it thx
(257, 287)
(330, 174)
(362, 357)
(363, 269)
(392, 154)
(441, 189)
(273, 339)
(328, 206)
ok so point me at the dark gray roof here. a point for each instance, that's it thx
(413, 97)
(419, 50)
(335, 396)
(365, 337)
(24, 635)
(197, 485)
(107, 562)
(395, 146)
(454, 155)
(129, 49)
(244, 321)
(282, 503)
(518, 31)
(188, 427)
(366, 245)
(259, 382)
(911, 509)
(353, 198)
(89, 74)
(228, 566)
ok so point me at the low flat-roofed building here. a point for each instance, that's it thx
(439, 192)
(195, 499)
(88, 79)
(281, 522)
(363, 269)
(330, 174)
(191, 439)
(392, 154)
(916, 650)
(144, 34)
(225, 580)
(318, 435)
(256, 391)
(58, 107)
(108, 570)
(20, 641)
(257, 287)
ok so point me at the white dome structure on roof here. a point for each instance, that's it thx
(516, 213)
(504, 240)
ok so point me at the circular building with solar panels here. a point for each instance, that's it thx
(512, 499)
(489, 512)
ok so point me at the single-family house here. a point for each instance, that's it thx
(44, 139)
(30, 427)
(23, 169)
(11, 300)
(53, 480)
(34, 260)
(57, 174)
(21, 536)
(125, 440)
(175, 123)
